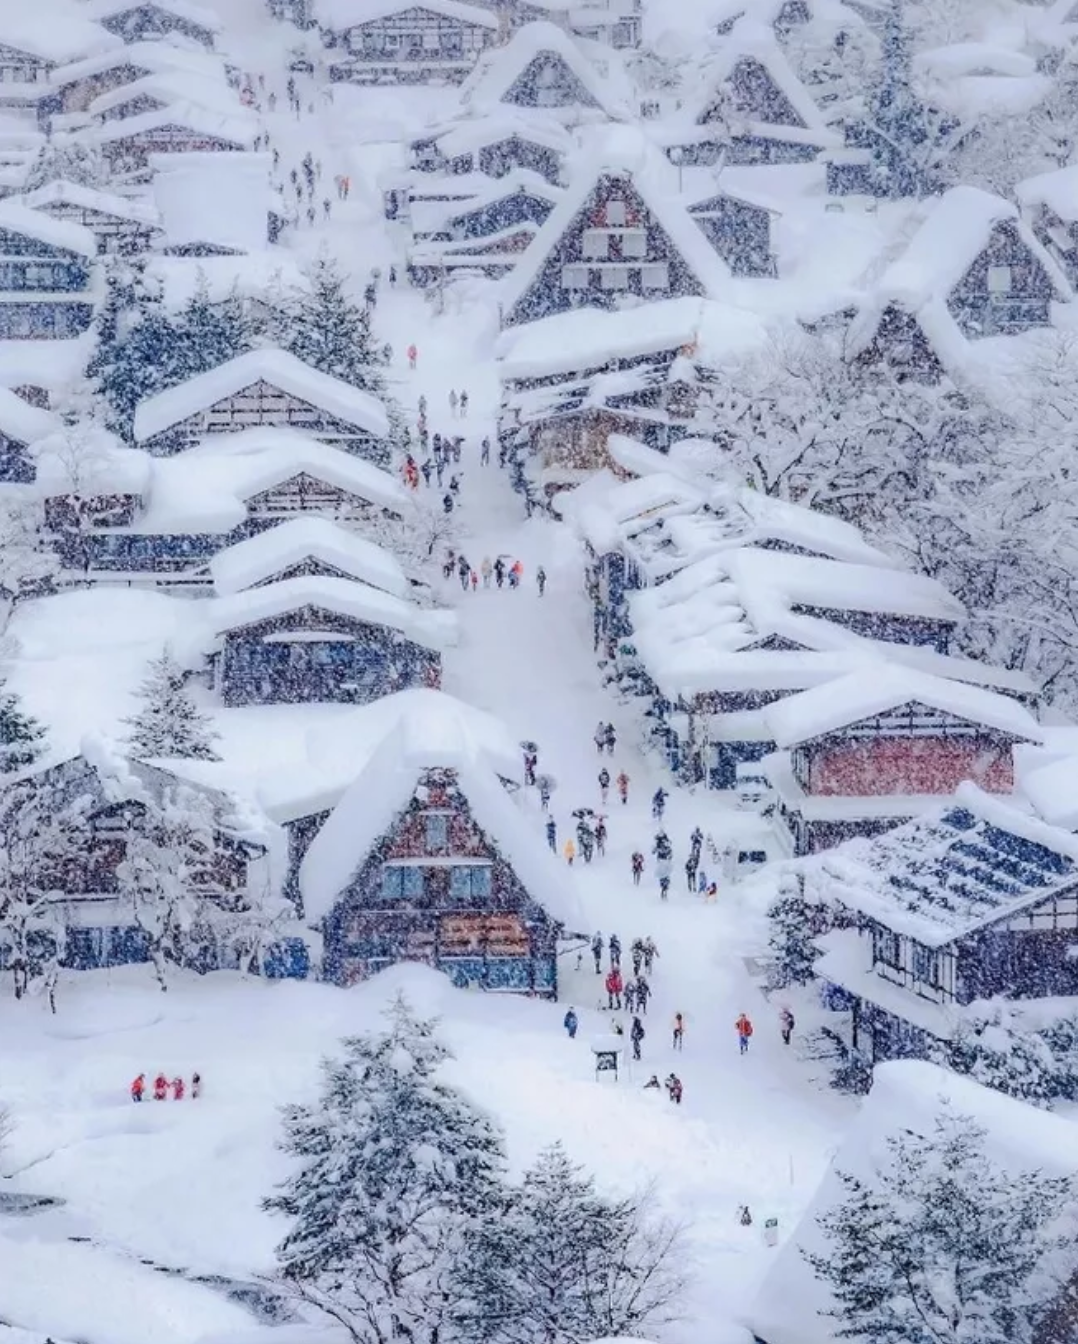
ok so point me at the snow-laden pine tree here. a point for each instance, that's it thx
(561, 1264)
(207, 333)
(170, 844)
(793, 922)
(168, 722)
(333, 334)
(22, 738)
(66, 159)
(943, 1246)
(395, 1167)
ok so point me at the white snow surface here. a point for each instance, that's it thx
(214, 198)
(22, 422)
(61, 233)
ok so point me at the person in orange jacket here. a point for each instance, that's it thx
(743, 1026)
(160, 1088)
(138, 1087)
(569, 851)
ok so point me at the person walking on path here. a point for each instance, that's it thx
(613, 988)
(464, 405)
(484, 453)
(413, 357)
(786, 1025)
(599, 738)
(453, 404)
(643, 993)
(160, 1088)
(611, 739)
(743, 1026)
(544, 793)
(177, 1089)
(569, 851)
(637, 950)
(196, 1086)
(690, 873)
(604, 783)
(629, 995)
(658, 803)
(615, 950)
(570, 1023)
(138, 1087)
(638, 867)
(674, 1089)
(679, 1030)
(540, 579)
(650, 953)
(597, 952)
(552, 834)
(600, 837)
(636, 1035)
(463, 569)
(664, 885)
(486, 569)
(499, 571)
(516, 573)
(623, 787)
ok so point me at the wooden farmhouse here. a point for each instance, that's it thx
(1049, 204)
(74, 86)
(266, 387)
(976, 900)
(738, 227)
(139, 20)
(496, 145)
(163, 524)
(540, 69)
(322, 639)
(47, 275)
(20, 426)
(426, 858)
(32, 46)
(122, 226)
(396, 42)
(865, 753)
(615, 235)
(179, 128)
(105, 799)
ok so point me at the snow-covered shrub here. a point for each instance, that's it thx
(794, 920)
(168, 722)
(1004, 1047)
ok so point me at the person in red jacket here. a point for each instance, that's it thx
(177, 1088)
(138, 1087)
(744, 1032)
(160, 1088)
(614, 987)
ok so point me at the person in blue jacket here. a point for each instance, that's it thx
(570, 1023)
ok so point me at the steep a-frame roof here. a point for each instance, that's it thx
(754, 43)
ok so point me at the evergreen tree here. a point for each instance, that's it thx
(169, 722)
(63, 159)
(562, 1264)
(22, 738)
(941, 1246)
(209, 334)
(396, 1166)
(794, 922)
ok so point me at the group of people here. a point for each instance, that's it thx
(163, 1087)
(502, 570)
(672, 1083)
(696, 877)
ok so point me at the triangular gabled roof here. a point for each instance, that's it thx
(62, 31)
(60, 233)
(237, 127)
(148, 56)
(429, 734)
(642, 186)
(773, 76)
(62, 192)
(196, 15)
(502, 74)
(23, 423)
(290, 543)
(270, 365)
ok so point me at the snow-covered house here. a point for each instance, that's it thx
(267, 387)
(319, 638)
(755, 110)
(20, 426)
(862, 754)
(793, 1304)
(178, 128)
(737, 223)
(74, 85)
(113, 794)
(976, 900)
(616, 236)
(120, 224)
(211, 205)
(404, 41)
(541, 68)
(163, 89)
(47, 280)
(1049, 204)
(201, 502)
(426, 858)
(137, 20)
(972, 268)
(34, 40)
(496, 143)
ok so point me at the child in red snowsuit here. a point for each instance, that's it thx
(177, 1089)
(160, 1088)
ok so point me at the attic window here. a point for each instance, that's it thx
(999, 279)
(616, 214)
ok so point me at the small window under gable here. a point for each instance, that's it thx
(616, 214)
(402, 882)
(999, 279)
(595, 245)
(574, 277)
(926, 965)
(437, 832)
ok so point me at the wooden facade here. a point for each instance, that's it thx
(1005, 291)
(76, 95)
(116, 234)
(312, 655)
(1059, 237)
(493, 217)
(502, 155)
(128, 156)
(260, 404)
(414, 44)
(613, 248)
(899, 344)
(45, 290)
(435, 889)
(739, 232)
(21, 68)
(547, 81)
(139, 21)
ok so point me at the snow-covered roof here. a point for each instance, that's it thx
(464, 135)
(756, 42)
(62, 233)
(48, 364)
(206, 488)
(792, 1303)
(878, 689)
(270, 365)
(649, 183)
(1058, 190)
(437, 211)
(498, 69)
(21, 422)
(977, 860)
(149, 56)
(59, 31)
(289, 543)
(62, 192)
(196, 15)
(589, 338)
(430, 734)
(337, 14)
(268, 276)
(344, 597)
(238, 126)
(86, 459)
(214, 198)
(172, 85)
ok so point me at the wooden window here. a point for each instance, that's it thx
(999, 279)
(885, 947)
(574, 277)
(634, 243)
(467, 884)
(437, 828)
(596, 245)
(655, 276)
(402, 882)
(616, 214)
(926, 965)
(615, 277)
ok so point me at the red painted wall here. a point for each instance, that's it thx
(909, 765)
